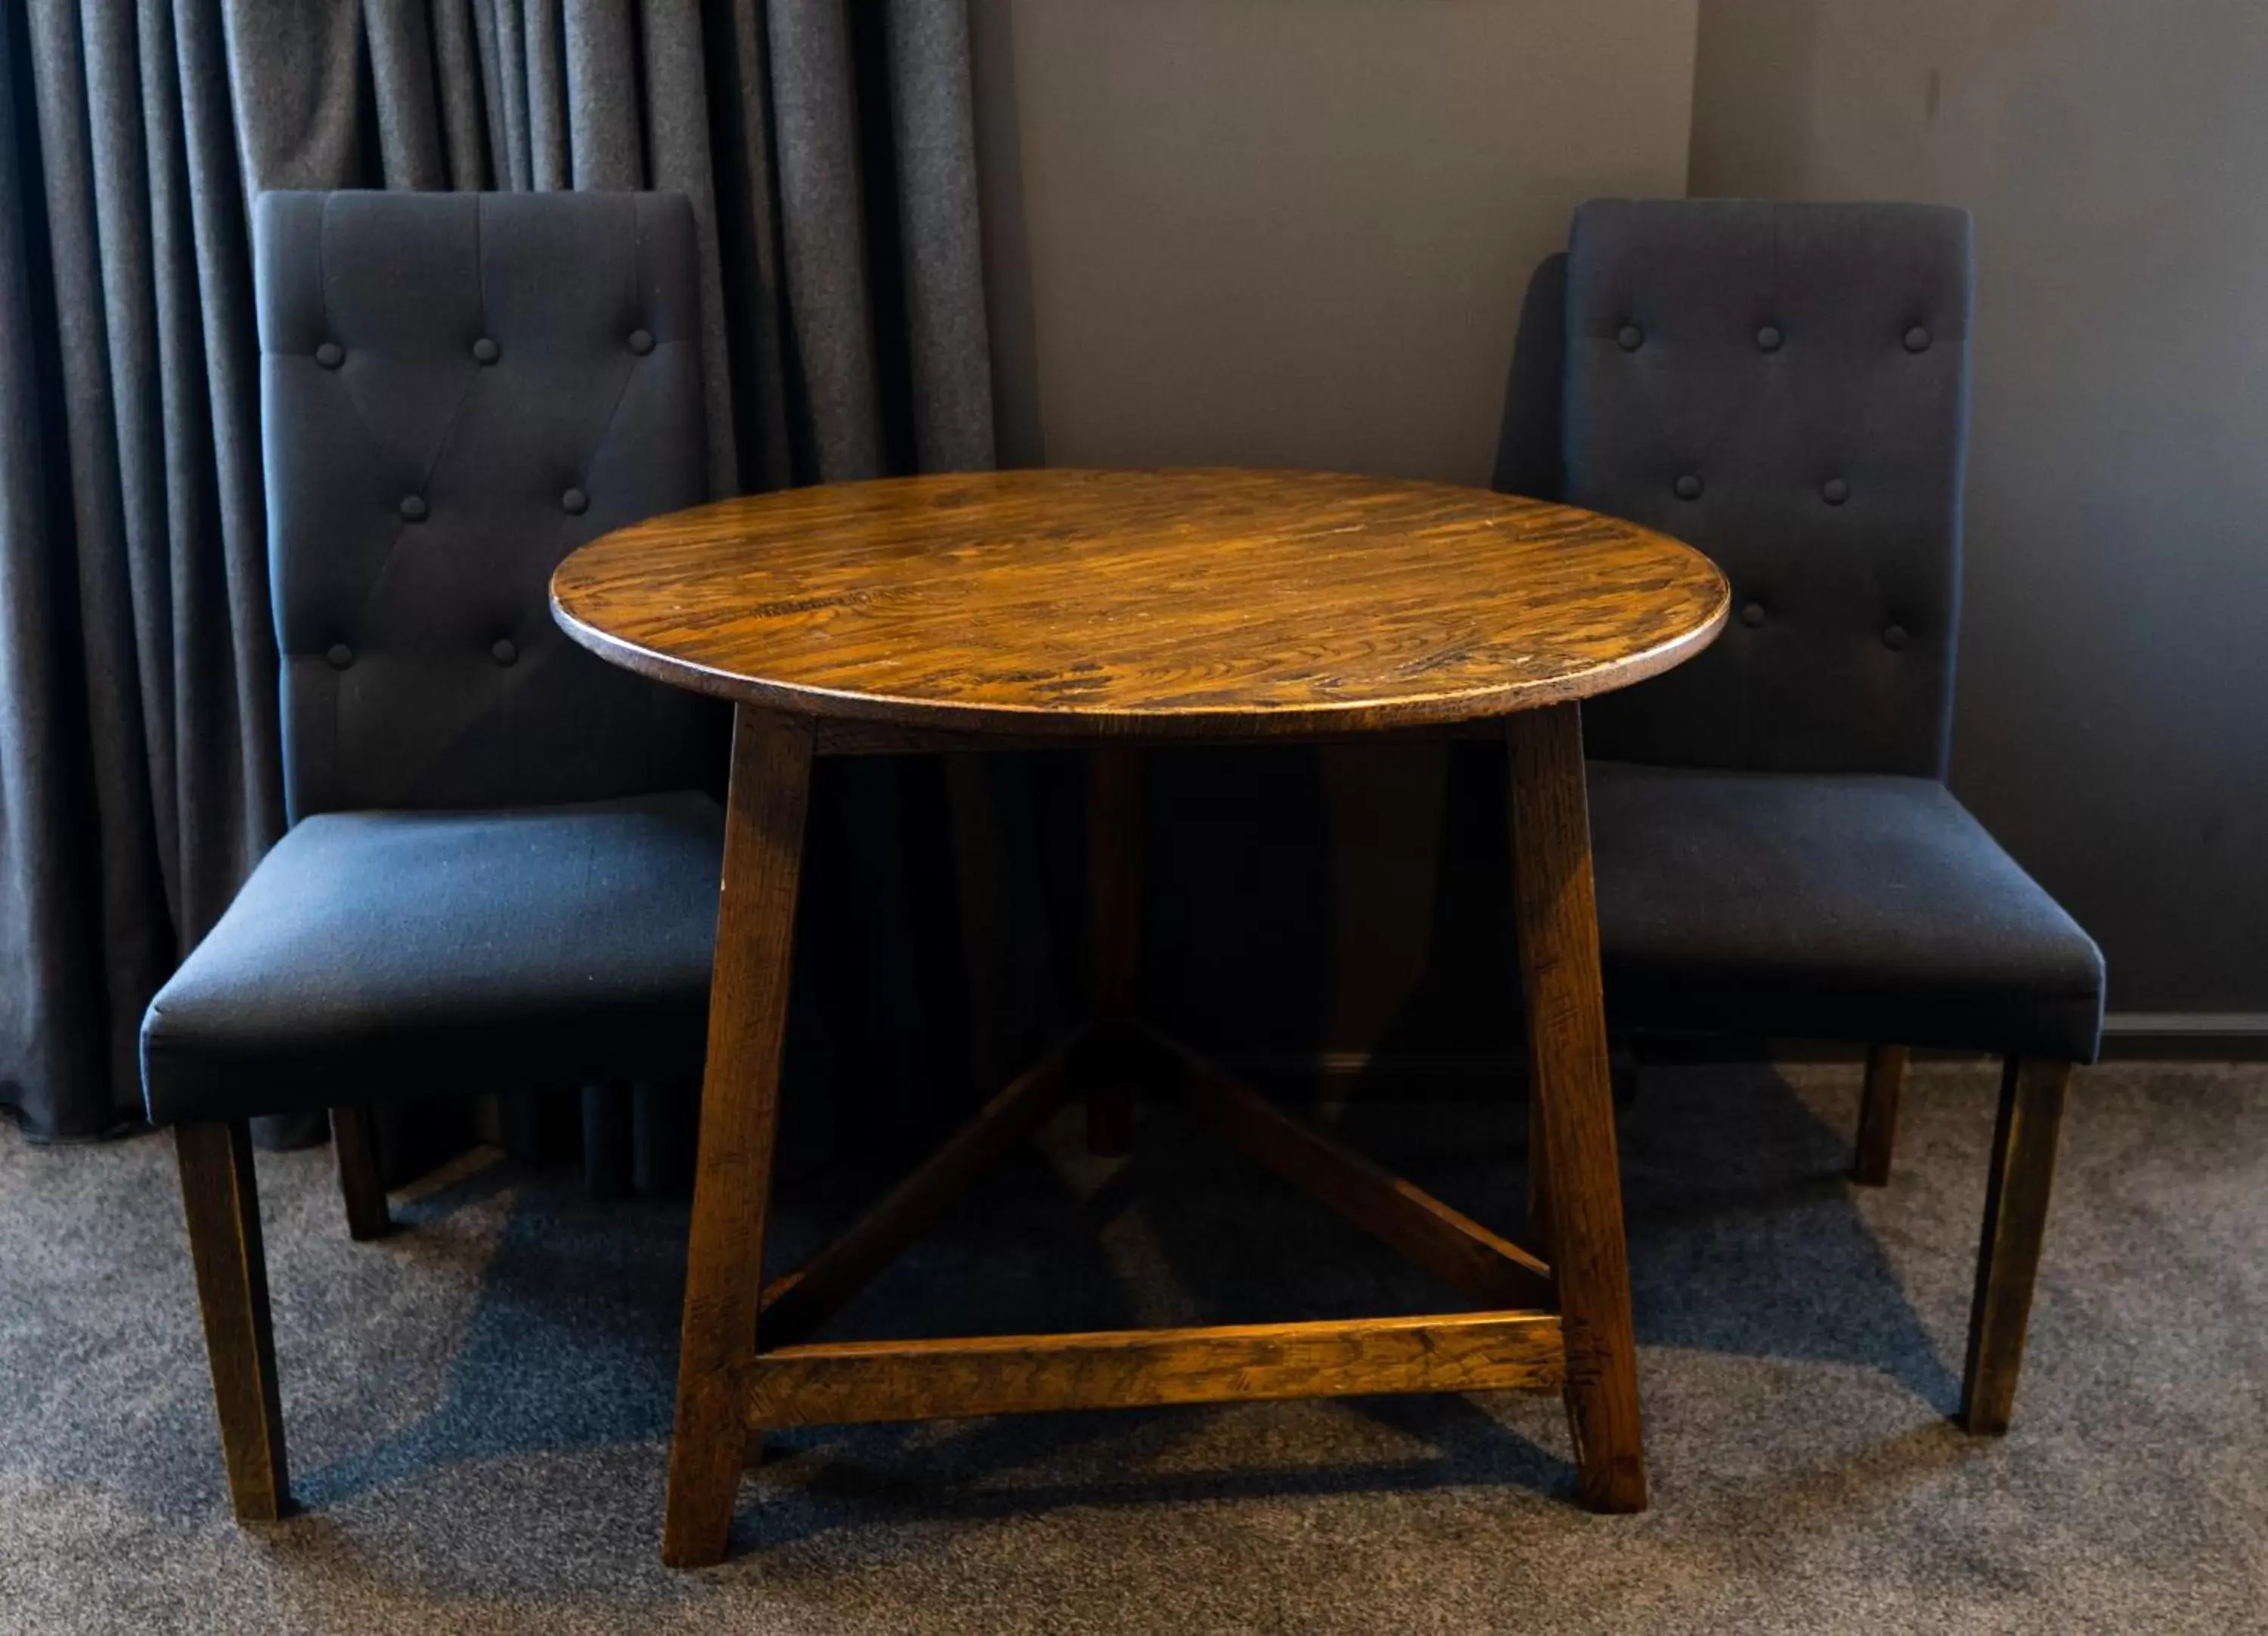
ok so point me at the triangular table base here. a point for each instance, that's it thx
(1516, 1342)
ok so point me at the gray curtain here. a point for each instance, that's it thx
(827, 149)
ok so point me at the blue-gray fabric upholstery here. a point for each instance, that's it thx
(503, 868)
(419, 496)
(1700, 431)
(385, 955)
(1836, 905)
(1785, 386)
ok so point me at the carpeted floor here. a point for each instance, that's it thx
(477, 1407)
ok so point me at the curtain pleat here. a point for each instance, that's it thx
(543, 48)
(139, 775)
(821, 211)
(748, 234)
(54, 990)
(678, 136)
(74, 79)
(601, 111)
(933, 128)
(457, 71)
(225, 706)
(409, 129)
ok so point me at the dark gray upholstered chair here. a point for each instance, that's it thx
(502, 868)
(1785, 386)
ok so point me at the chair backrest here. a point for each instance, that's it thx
(1786, 387)
(457, 390)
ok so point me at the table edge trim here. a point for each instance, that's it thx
(1203, 722)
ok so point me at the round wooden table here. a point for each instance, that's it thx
(1115, 610)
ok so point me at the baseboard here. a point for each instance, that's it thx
(2206, 1035)
(2188, 1024)
(2232, 1036)
(1484, 1068)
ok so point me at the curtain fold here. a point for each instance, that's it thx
(138, 778)
(829, 152)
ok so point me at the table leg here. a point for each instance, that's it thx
(740, 1120)
(1114, 910)
(1557, 920)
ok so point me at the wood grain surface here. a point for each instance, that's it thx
(764, 816)
(1158, 604)
(1556, 933)
(843, 1382)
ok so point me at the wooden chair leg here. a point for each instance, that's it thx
(740, 1126)
(1878, 1115)
(361, 1180)
(1556, 919)
(1114, 901)
(222, 1206)
(2032, 1091)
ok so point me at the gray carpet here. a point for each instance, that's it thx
(477, 1407)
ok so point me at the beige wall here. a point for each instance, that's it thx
(2112, 720)
(1295, 231)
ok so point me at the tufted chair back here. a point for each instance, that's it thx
(457, 390)
(1786, 387)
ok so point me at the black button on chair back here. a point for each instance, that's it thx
(457, 390)
(1784, 387)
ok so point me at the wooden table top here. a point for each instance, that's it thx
(1141, 604)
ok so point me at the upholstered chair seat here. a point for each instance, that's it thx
(1841, 906)
(374, 955)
